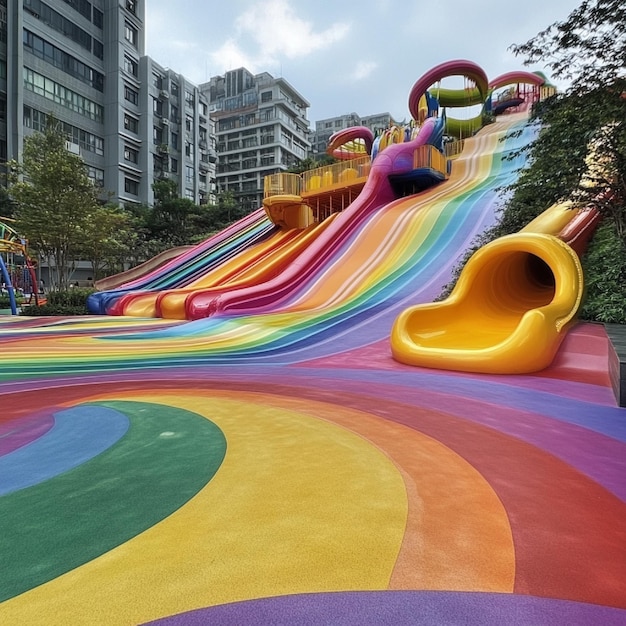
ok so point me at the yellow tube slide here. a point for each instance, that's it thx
(508, 312)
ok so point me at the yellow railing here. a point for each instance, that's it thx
(428, 156)
(454, 148)
(282, 184)
(337, 174)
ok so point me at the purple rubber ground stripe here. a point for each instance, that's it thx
(602, 419)
(400, 608)
(20, 432)
(78, 435)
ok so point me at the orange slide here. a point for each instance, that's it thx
(257, 264)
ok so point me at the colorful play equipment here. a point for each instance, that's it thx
(506, 291)
(512, 305)
(269, 462)
(11, 244)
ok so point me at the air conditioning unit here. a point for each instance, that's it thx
(74, 148)
(165, 121)
(164, 95)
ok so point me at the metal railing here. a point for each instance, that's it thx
(428, 156)
(282, 184)
(344, 173)
(453, 148)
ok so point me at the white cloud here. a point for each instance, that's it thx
(280, 32)
(363, 70)
(230, 56)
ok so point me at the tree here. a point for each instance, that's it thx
(174, 221)
(310, 164)
(54, 200)
(106, 240)
(588, 49)
(580, 151)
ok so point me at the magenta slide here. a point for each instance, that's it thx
(376, 193)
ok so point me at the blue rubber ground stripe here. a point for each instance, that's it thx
(78, 435)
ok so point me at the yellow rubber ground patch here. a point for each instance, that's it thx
(298, 505)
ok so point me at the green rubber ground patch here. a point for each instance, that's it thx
(165, 458)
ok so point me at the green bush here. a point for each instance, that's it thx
(604, 266)
(5, 302)
(70, 302)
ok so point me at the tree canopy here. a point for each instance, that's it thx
(54, 200)
(580, 151)
(588, 50)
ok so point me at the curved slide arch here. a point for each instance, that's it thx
(458, 67)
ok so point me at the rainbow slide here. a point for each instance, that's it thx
(182, 269)
(399, 252)
(271, 463)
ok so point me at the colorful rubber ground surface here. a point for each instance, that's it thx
(283, 469)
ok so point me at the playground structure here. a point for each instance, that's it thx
(373, 171)
(15, 276)
(231, 441)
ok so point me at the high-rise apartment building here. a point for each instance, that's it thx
(261, 129)
(325, 128)
(131, 120)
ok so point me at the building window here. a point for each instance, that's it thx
(131, 155)
(130, 34)
(98, 18)
(189, 194)
(96, 175)
(62, 60)
(157, 136)
(37, 120)
(67, 98)
(174, 89)
(157, 80)
(174, 165)
(98, 49)
(55, 20)
(131, 123)
(175, 141)
(131, 186)
(174, 114)
(266, 96)
(157, 107)
(188, 123)
(131, 95)
(130, 65)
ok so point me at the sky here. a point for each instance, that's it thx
(345, 56)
